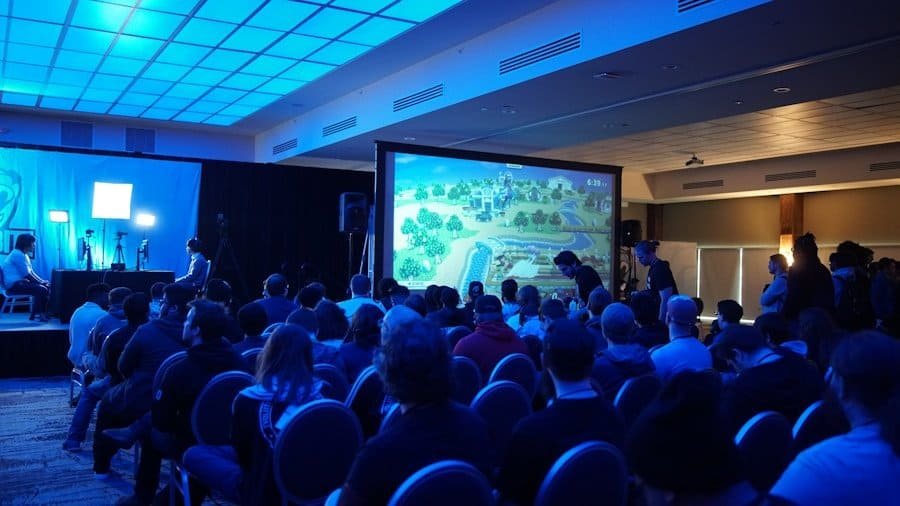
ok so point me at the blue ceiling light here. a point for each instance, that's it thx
(166, 71)
(362, 5)
(99, 15)
(204, 32)
(25, 72)
(296, 46)
(146, 23)
(70, 77)
(156, 113)
(248, 38)
(208, 77)
(96, 94)
(65, 104)
(62, 91)
(330, 23)
(224, 95)
(267, 65)
(183, 90)
(176, 6)
(240, 110)
(207, 107)
(182, 54)
(122, 66)
(44, 10)
(127, 110)
(225, 59)
(227, 10)
(280, 86)
(282, 14)
(173, 103)
(338, 53)
(35, 55)
(151, 86)
(418, 10)
(307, 71)
(3, 20)
(129, 46)
(258, 99)
(78, 61)
(222, 120)
(22, 87)
(108, 82)
(90, 41)
(33, 32)
(90, 106)
(19, 99)
(244, 81)
(129, 3)
(192, 117)
(140, 99)
(377, 31)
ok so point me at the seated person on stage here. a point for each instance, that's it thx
(253, 320)
(684, 352)
(862, 466)
(598, 300)
(83, 320)
(415, 367)
(219, 292)
(578, 414)
(156, 297)
(768, 379)
(360, 289)
(196, 273)
(149, 346)
(322, 353)
(275, 300)
(492, 339)
(243, 471)
(650, 331)
(113, 319)
(20, 279)
(450, 314)
(209, 354)
(508, 289)
(364, 337)
(527, 295)
(586, 278)
(622, 359)
(136, 308)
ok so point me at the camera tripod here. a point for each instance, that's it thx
(225, 245)
(118, 263)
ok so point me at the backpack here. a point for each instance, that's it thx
(854, 309)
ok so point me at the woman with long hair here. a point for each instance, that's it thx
(362, 340)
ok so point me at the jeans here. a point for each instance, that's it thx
(40, 293)
(216, 467)
(90, 396)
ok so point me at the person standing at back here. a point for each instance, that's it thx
(809, 282)
(660, 280)
(772, 298)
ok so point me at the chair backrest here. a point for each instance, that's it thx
(2, 283)
(206, 273)
(764, 443)
(466, 379)
(390, 417)
(336, 381)
(365, 399)
(271, 328)
(314, 452)
(251, 356)
(584, 473)
(211, 414)
(445, 483)
(517, 368)
(817, 423)
(502, 404)
(634, 395)
(164, 367)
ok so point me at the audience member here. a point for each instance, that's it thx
(777, 332)
(83, 320)
(527, 295)
(622, 359)
(852, 293)
(598, 300)
(476, 289)
(196, 274)
(275, 300)
(112, 320)
(552, 310)
(586, 278)
(219, 292)
(360, 290)
(508, 289)
(816, 328)
(885, 289)
(399, 295)
(253, 321)
(768, 379)
(322, 353)
(333, 324)
(417, 303)
(385, 287)
(415, 367)
(728, 313)
(650, 331)
(862, 466)
(774, 294)
(310, 295)
(684, 352)
(577, 414)
(156, 297)
(530, 323)
(809, 282)
(362, 340)
(450, 314)
(20, 279)
(492, 339)
(660, 281)
(432, 298)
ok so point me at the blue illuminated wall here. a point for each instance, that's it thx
(34, 182)
(196, 61)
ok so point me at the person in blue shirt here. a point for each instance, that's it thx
(275, 300)
(684, 351)
(196, 274)
(20, 279)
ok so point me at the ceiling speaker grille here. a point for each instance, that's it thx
(284, 146)
(140, 140)
(76, 134)
(339, 126)
(542, 53)
(877, 167)
(686, 5)
(786, 176)
(419, 97)
(696, 185)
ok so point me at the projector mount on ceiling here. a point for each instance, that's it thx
(693, 161)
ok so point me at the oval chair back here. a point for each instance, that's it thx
(817, 423)
(211, 414)
(634, 395)
(764, 443)
(251, 356)
(502, 404)
(314, 452)
(164, 368)
(271, 329)
(466, 379)
(590, 470)
(365, 399)
(390, 417)
(519, 369)
(336, 385)
(445, 483)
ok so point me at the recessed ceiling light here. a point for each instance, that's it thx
(408, 138)
(484, 109)
(738, 101)
(670, 66)
(508, 109)
(607, 75)
(781, 89)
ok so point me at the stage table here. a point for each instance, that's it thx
(68, 287)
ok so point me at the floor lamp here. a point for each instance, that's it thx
(61, 218)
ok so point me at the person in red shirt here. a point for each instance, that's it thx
(492, 340)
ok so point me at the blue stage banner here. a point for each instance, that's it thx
(34, 182)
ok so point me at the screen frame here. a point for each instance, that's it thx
(384, 147)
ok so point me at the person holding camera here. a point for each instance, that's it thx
(196, 273)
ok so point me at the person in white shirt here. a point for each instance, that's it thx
(772, 298)
(360, 288)
(83, 320)
(862, 466)
(20, 279)
(196, 274)
(684, 352)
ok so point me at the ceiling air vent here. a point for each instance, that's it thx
(340, 126)
(284, 146)
(786, 176)
(76, 134)
(417, 98)
(878, 167)
(696, 185)
(140, 140)
(538, 54)
(686, 5)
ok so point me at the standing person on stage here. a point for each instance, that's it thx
(20, 279)
(584, 275)
(659, 279)
(196, 273)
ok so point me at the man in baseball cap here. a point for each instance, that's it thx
(492, 340)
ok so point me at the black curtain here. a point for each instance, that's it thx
(278, 218)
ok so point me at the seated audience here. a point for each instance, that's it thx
(112, 320)
(772, 298)
(728, 313)
(363, 339)
(310, 295)
(852, 292)
(415, 367)
(275, 300)
(768, 379)
(777, 331)
(816, 328)
(156, 297)
(83, 320)
(399, 295)
(218, 291)
(322, 353)
(577, 414)
(508, 289)
(650, 331)
(360, 290)
(598, 300)
(243, 471)
(552, 310)
(684, 352)
(450, 314)
(530, 322)
(681, 452)
(622, 359)
(432, 298)
(476, 289)
(809, 283)
(527, 295)
(885, 289)
(417, 303)
(862, 466)
(385, 287)
(253, 321)
(492, 339)
(333, 324)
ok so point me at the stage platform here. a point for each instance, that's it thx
(30, 349)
